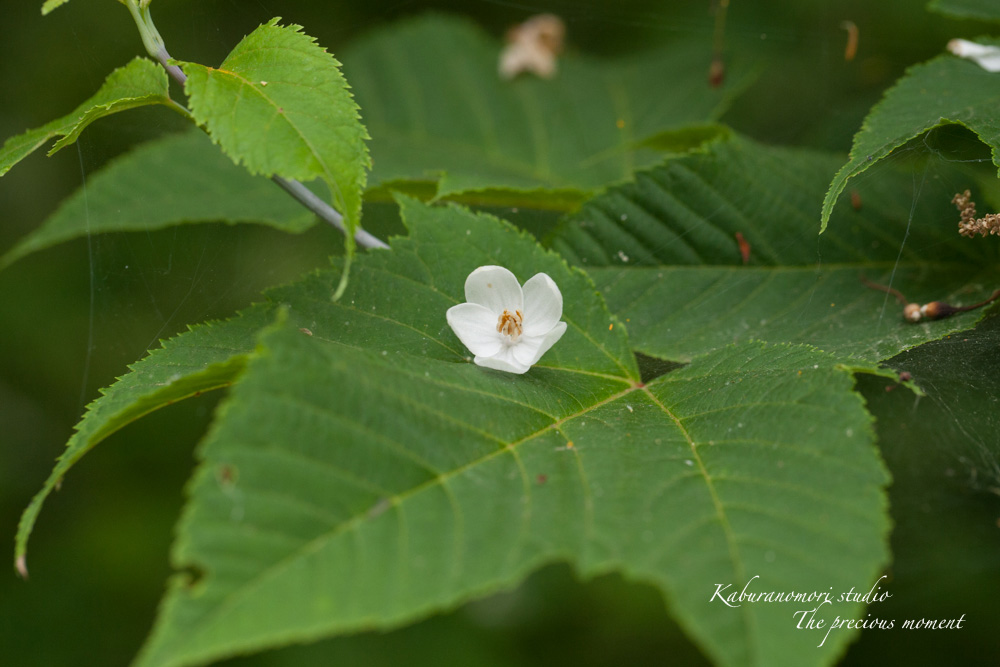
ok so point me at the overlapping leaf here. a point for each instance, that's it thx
(947, 90)
(441, 116)
(176, 180)
(665, 254)
(279, 105)
(140, 83)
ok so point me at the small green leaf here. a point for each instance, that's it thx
(983, 10)
(49, 5)
(947, 90)
(140, 83)
(441, 116)
(665, 254)
(176, 180)
(279, 105)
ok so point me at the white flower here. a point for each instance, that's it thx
(987, 57)
(508, 328)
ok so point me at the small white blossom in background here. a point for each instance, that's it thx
(987, 57)
(507, 327)
(532, 47)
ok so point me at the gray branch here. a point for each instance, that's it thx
(308, 199)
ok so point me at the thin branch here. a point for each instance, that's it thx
(935, 310)
(154, 45)
(307, 198)
(173, 70)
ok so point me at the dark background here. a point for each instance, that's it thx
(73, 317)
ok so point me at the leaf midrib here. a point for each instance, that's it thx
(737, 563)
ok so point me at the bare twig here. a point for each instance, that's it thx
(884, 288)
(935, 310)
(307, 198)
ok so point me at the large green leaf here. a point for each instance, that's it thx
(947, 90)
(320, 510)
(441, 116)
(175, 180)
(279, 105)
(984, 10)
(364, 473)
(665, 255)
(140, 83)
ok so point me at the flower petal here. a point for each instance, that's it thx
(476, 327)
(543, 305)
(504, 361)
(987, 57)
(540, 345)
(525, 351)
(495, 288)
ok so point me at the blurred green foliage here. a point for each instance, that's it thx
(73, 317)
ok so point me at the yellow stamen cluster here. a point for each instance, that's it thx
(510, 324)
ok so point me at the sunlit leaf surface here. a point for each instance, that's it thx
(278, 104)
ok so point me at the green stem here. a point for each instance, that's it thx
(151, 38)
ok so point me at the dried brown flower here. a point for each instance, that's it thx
(532, 47)
(970, 225)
